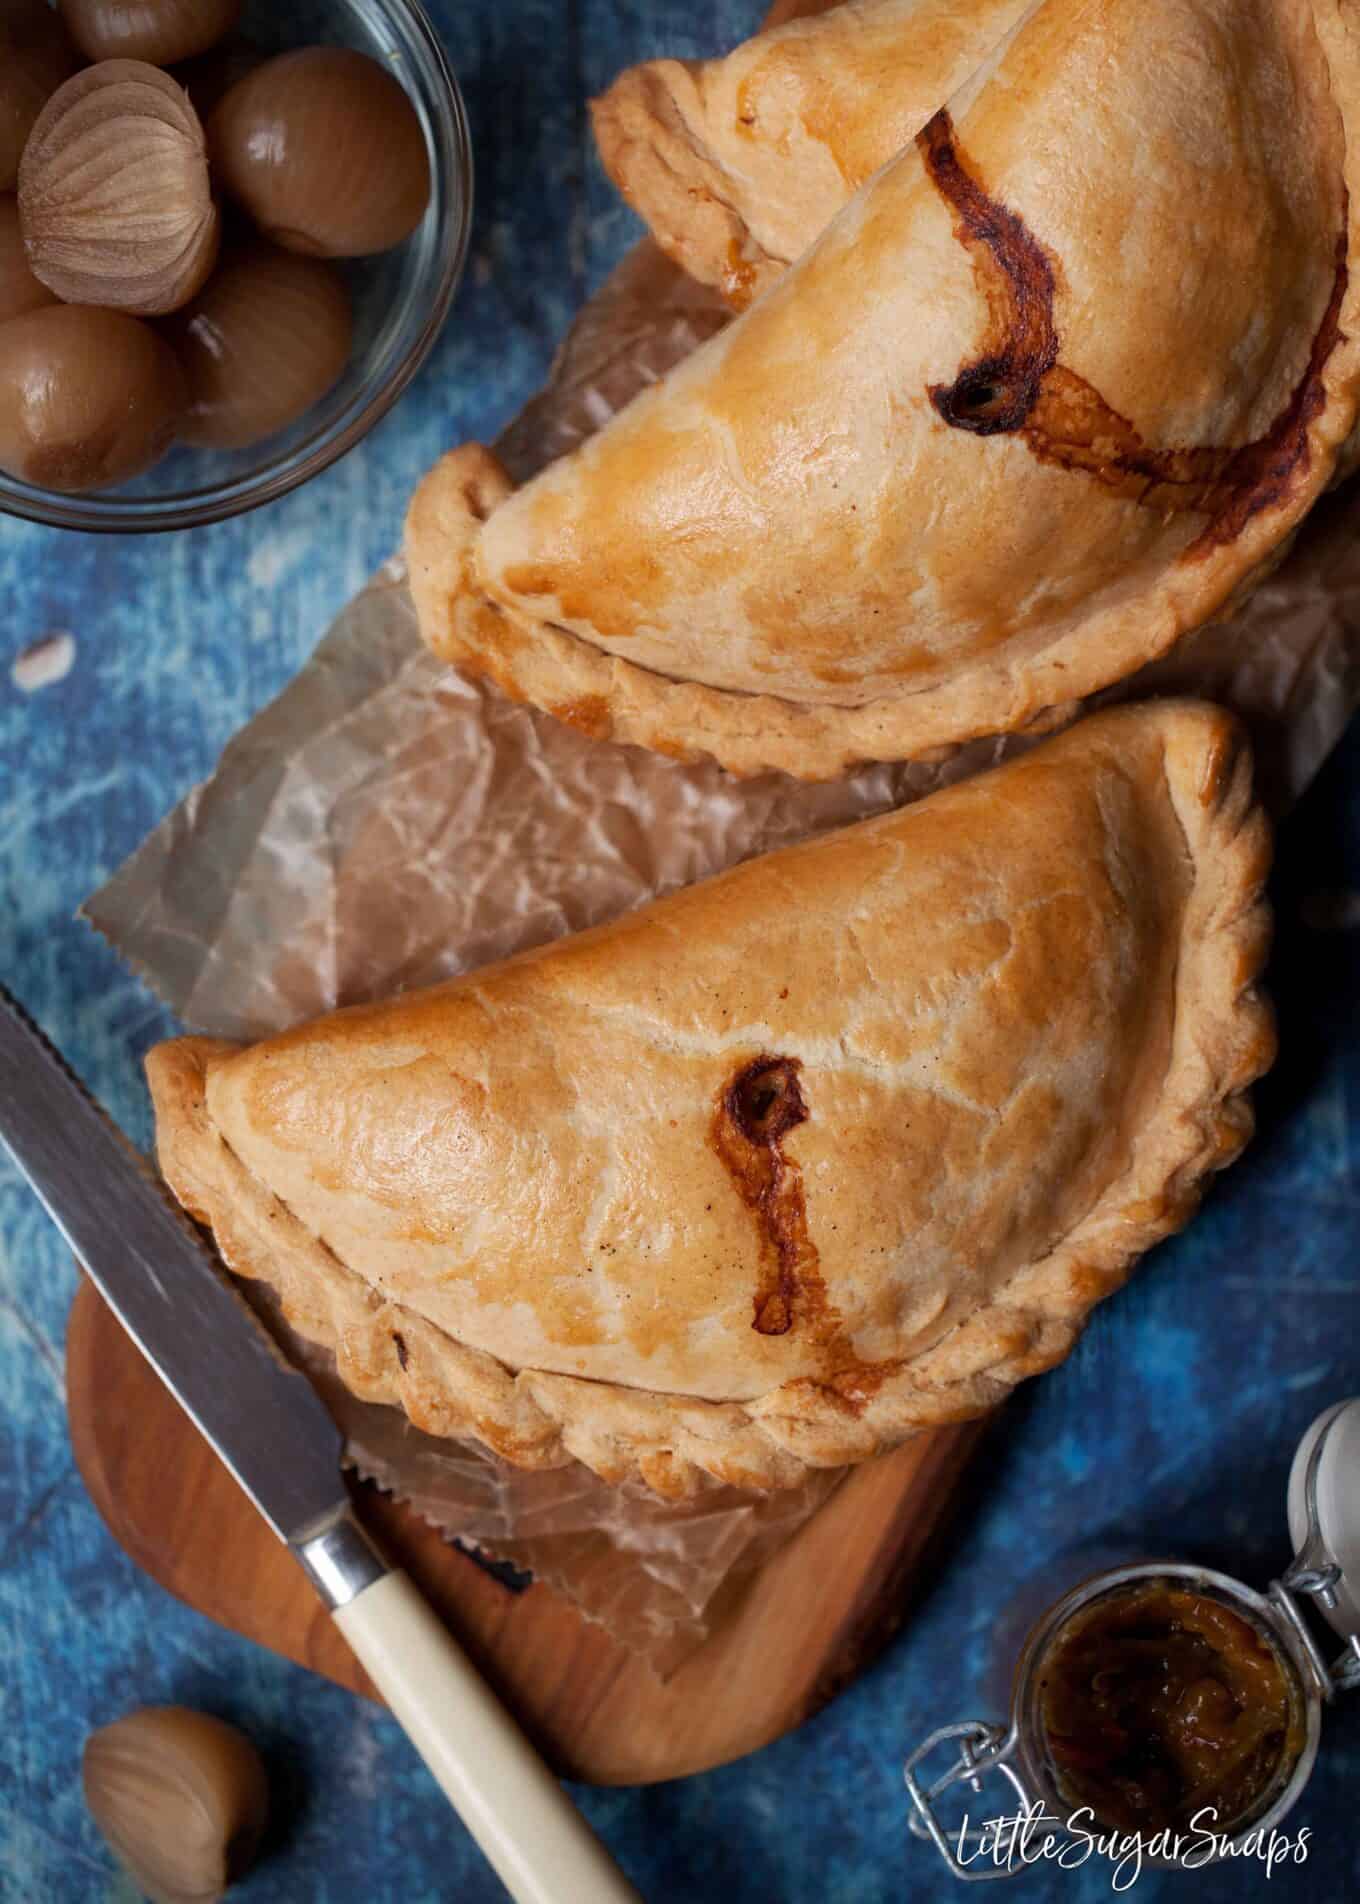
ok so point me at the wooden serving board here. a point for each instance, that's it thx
(808, 1622)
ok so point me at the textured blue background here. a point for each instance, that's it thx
(1170, 1427)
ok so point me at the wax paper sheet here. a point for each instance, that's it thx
(386, 823)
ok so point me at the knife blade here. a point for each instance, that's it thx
(268, 1425)
(155, 1273)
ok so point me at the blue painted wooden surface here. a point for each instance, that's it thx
(1169, 1428)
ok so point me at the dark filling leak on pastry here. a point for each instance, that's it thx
(997, 394)
(1017, 386)
(1156, 1703)
(756, 1110)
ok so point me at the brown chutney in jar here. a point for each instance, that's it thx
(1157, 1703)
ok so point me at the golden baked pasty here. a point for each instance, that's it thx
(836, 1146)
(1055, 386)
(737, 164)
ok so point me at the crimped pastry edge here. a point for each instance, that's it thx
(1223, 1038)
(654, 150)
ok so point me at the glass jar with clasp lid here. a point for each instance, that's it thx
(1162, 1705)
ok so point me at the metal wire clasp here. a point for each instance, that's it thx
(982, 1748)
(1315, 1573)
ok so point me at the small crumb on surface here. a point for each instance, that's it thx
(1332, 911)
(43, 662)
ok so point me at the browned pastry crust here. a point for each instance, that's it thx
(738, 163)
(1054, 389)
(781, 1169)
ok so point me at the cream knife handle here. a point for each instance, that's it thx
(537, 1842)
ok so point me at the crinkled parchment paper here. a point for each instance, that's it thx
(386, 823)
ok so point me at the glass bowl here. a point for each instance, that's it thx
(401, 299)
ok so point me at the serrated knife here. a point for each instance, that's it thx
(269, 1426)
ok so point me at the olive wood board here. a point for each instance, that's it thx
(813, 1617)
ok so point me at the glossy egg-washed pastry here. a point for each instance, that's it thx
(737, 164)
(774, 1172)
(1052, 389)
